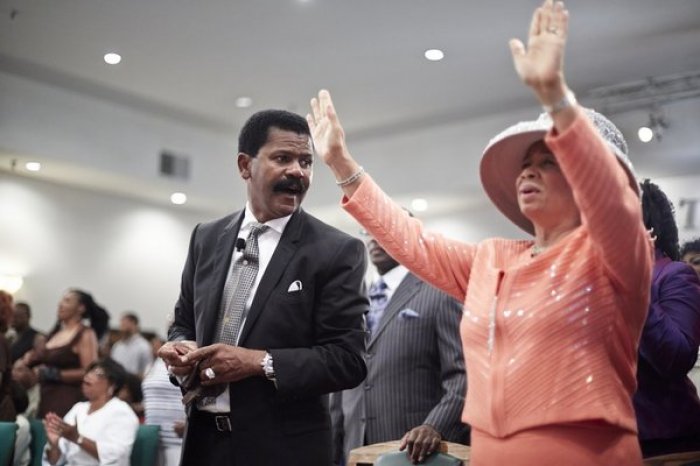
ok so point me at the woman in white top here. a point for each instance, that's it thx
(99, 431)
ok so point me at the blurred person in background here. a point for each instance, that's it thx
(131, 394)
(132, 350)
(690, 254)
(26, 378)
(23, 434)
(99, 431)
(666, 401)
(26, 337)
(7, 407)
(70, 348)
(163, 407)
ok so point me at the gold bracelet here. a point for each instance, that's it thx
(352, 178)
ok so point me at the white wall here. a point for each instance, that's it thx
(127, 253)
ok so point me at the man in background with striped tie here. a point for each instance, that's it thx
(269, 318)
(416, 382)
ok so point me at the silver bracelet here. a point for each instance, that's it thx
(352, 178)
(569, 100)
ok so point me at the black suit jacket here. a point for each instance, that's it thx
(314, 335)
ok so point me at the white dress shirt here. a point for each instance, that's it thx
(393, 279)
(267, 243)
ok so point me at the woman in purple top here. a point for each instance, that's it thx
(666, 402)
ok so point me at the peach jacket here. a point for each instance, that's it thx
(550, 339)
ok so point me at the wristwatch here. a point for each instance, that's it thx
(79, 441)
(267, 367)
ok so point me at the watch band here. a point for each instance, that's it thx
(268, 367)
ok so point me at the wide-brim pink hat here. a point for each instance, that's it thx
(501, 162)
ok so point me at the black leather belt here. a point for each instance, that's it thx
(221, 421)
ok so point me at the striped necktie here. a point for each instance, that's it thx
(378, 300)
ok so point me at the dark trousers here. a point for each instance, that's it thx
(207, 441)
(265, 443)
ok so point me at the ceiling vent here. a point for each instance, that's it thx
(174, 165)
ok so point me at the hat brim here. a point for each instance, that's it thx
(501, 164)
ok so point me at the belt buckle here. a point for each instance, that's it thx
(223, 423)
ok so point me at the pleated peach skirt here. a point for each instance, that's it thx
(584, 444)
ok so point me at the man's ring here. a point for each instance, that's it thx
(552, 29)
(209, 372)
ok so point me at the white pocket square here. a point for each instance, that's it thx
(408, 314)
(295, 286)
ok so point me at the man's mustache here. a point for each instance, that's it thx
(290, 184)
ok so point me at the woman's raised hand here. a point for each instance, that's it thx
(326, 131)
(329, 142)
(540, 64)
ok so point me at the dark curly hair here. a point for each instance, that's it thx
(690, 246)
(255, 131)
(657, 212)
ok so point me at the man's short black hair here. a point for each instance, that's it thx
(255, 131)
(132, 317)
(22, 305)
(690, 246)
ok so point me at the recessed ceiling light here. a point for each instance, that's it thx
(434, 54)
(244, 102)
(645, 134)
(178, 198)
(112, 58)
(419, 205)
(33, 166)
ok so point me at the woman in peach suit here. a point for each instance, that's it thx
(551, 325)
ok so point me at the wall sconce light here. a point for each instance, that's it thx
(11, 283)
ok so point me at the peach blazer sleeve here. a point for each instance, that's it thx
(442, 262)
(610, 209)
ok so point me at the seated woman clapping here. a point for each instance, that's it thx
(98, 431)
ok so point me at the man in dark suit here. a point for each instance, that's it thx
(416, 382)
(300, 334)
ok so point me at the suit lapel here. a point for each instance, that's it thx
(223, 252)
(281, 258)
(408, 287)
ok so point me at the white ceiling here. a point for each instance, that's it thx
(189, 60)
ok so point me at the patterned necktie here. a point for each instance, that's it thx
(377, 303)
(237, 288)
(233, 301)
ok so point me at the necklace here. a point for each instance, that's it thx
(536, 250)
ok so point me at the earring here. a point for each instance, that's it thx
(652, 236)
